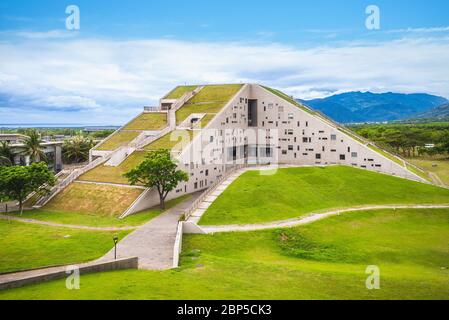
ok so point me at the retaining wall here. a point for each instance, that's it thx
(15, 280)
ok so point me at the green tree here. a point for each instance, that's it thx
(17, 182)
(32, 146)
(158, 171)
(76, 149)
(6, 154)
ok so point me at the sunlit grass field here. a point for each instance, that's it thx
(26, 246)
(294, 192)
(323, 260)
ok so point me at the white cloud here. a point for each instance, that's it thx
(36, 35)
(420, 30)
(109, 81)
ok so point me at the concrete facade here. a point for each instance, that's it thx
(275, 131)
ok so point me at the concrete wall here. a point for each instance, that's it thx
(295, 125)
(42, 276)
(294, 135)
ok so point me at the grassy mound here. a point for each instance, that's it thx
(294, 192)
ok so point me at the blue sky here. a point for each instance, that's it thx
(129, 53)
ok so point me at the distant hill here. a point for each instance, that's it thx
(375, 107)
(438, 113)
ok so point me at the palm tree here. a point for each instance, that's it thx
(5, 162)
(77, 149)
(6, 154)
(32, 146)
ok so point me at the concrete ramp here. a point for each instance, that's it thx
(153, 242)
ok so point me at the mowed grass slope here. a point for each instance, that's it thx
(295, 192)
(120, 139)
(219, 92)
(92, 219)
(101, 200)
(25, 246)
(211, 99)
(176, 140)
(179, 91)
(148, 121)
(110, 174)
(323, 260)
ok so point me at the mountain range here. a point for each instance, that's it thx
(359, 106)
(438, 113)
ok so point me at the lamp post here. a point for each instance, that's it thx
(115, 239)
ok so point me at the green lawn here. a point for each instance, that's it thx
(114, 174)
(103, 200)
(211, 99)
(323, 260)
(295, 192)
(210, 108)
(148, 121)
(25, 246)
(216, 93)
(93, 219)
(440, 167)
(179, 91)
(176, 140)
(118, 140)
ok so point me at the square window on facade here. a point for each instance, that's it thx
(354, 154)
(318, 156)
(342, 157)
(333, 137)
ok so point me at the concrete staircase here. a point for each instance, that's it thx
(119, 156)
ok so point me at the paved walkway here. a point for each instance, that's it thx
(153, 242)
(308, 219)
(60, 225)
